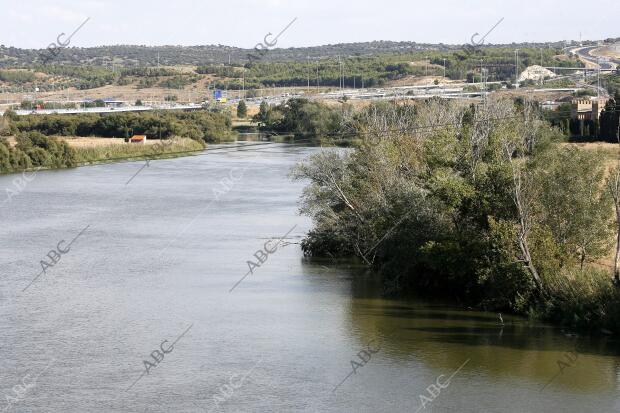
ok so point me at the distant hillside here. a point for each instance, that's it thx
(141, 56)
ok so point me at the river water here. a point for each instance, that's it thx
(137, 313)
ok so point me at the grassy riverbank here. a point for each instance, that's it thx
(486, 205)
(33, 150)
(175, 147)
(62, 141)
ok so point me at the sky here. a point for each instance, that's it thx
(244, 23)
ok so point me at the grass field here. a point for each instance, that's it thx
(96, 150)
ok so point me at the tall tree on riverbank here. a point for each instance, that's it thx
(614, 187)
(613, 183)
(482, 202)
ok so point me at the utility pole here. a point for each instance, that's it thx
(541, 57)
(343, 85)
(444, 69)
(317, 77)
(517, 69)
(308, 69)
(339, 75)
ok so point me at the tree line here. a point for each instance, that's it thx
(34, 150)
(199, 125)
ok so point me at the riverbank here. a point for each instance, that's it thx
(34, 151)
(487, 206)
(102, 152)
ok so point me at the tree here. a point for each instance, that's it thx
(517, 147)
(242, 109)
(613, 184)
(263, 113)
(138, 102)
(573, 204)
(609, 121)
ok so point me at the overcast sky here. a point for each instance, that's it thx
(243, 23)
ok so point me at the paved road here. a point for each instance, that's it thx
(585, 53)
(106, 110)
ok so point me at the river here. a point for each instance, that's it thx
(133, 308)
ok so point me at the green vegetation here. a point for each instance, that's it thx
(34, 150)
(147, 72)
(173, 147)
(611, 83)
(198, 125)
(242, 109)
(483, 204)
(351, 65)
(561, 118)
(301, 118)
(610, 119)
(378, 69)
(146, 82)
(179, 82)
(135, 56)
(18, 77)
(38, 145)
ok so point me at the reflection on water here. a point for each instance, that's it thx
(443, 336)
(516, 348)
(163, 253)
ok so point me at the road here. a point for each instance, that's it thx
(585, 53)
(106, 109)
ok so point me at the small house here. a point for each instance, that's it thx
(138, 139)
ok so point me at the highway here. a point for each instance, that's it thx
(585, 54)
(451, 90)
(22, 112)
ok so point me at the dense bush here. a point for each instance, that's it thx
(301, 117)
(33, 150)
(199, 125)
(481, 203)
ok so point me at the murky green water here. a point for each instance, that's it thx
(156, 262)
